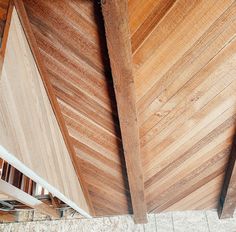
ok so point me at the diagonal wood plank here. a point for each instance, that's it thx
(119, 48)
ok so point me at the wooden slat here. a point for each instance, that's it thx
(119, 48)
(227, 203)
(27, 199)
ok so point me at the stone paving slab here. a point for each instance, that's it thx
(187, 221)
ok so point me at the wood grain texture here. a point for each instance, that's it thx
(45, 78)
(77, 64)
(30, 135)
(115, 15)
(187, 111)
(184, 76)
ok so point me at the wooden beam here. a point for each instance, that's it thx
(227, 202)
(115, 13)
(27, 199)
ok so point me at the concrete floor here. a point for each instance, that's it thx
(188, 221)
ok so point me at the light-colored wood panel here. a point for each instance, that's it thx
(192, 160)
(209, 82)
(212, 169)
(172, 139)
(207, 49)
(193, 26)
(30, 136)
(187, 134)
(200, 197)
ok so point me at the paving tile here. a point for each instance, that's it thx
(43, 226)
(5, 228)
(216, 225)
(24, 227)
(120, 224)
(164, 222)
(151, 225)
(191, 221)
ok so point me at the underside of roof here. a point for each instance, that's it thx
(184, 58)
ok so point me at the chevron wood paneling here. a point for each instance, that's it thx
(185, 84)
(184, 67)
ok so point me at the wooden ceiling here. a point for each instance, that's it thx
(185, 81)
(185, 85)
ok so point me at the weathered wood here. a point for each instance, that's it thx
(115, 14)
(227, 203)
